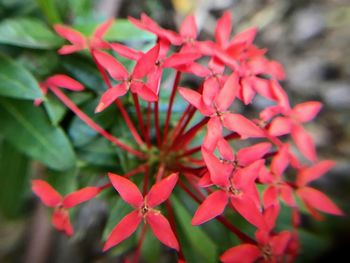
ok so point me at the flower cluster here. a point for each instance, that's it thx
(279, 154)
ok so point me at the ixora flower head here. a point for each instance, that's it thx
(203, 156)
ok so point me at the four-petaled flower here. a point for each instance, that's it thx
(144, 209)
(51, 198)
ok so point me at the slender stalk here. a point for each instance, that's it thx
(138, 113)
(170, 107)
(185, 139)
(173, 225)
(146, 180)
(191, 151)
(138, 169)
(160, 172)
(120, 105)
(156, 122)
(148, 125)
(139, 245)
(70, 104)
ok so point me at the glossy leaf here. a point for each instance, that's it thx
(28, 32)
(27, 127)
(16, 81)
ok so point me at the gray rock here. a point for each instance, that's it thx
(308, 24)
(337, 96)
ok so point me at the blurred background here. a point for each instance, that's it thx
(310, 38)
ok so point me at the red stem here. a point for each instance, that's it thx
(138, 112)
(139, 245)
(70, 104)
(148, 125)
(182, 141)
(156, 122)
(173, 226)
(120, 105)
(170, 107)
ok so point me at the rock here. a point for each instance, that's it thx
(337, 96)
(307, 24)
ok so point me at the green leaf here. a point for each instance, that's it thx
(16, 81)
(56, 110)
(50, 11)
(29, 130)
(28, 32)
(80, 133)
(14, 180)
(121, 30)
(196, 238)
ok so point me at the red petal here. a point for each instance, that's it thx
(280, 161)
(223, 29)
(318, 200)
(269, 112)
(225, 150)
(253, 153)
(244, 127)
(110, 96)
(276, 70)
(162, 229)
(210, 91)
(286, 193)
(64, 81)
(245, 37)
(280, 126)
(73, 36)
(48, 195)
(306, 111)
(103, 28)
(145, 92)
(304, 142)
(60, 220)
(113, 66)
(247, 208)
(178, 59)
(69, 49)
(146, 63)
(245, 253)
(312, 173)
(205, 180)
(270, 196)
(123, 229)
(247, 90)
(270, 216)
(219, 172)
(161, 190)
(80, 196)
(188, 28)
(279, 242)
(191, 96)
(127, 190)
(214, 133)
(246, 176)
(211, 207)
(280, 95)
(126, 51)
(228, 93)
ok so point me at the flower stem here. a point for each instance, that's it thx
(156, 122)
(170, 106)
(120, 105)
(70, 104)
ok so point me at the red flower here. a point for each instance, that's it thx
(144, 65)
(270, 248)
(79, 41)
(237, 185)
(58, 80)
(51, 198)
(312, 198)
(144, 209)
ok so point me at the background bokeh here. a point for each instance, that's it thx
(310, 38)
